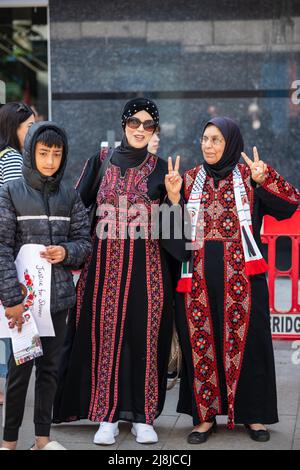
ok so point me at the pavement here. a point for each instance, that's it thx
(172, 428)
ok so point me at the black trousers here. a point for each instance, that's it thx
(256, 398)
(45, 384)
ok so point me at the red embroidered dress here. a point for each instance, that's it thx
(119, 336)
(231, 370)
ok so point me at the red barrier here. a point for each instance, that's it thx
(285, 325)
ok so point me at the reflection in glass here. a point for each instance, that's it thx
(23, 56)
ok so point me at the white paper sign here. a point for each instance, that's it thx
(34, 274)
(27, 344)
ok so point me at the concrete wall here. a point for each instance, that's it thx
(239, 58)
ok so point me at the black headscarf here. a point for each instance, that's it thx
(31, 175)
(126, 156)
(234, 145)
(140, 104)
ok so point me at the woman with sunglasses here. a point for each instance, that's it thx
(117, 348)
(223, 316)
(15, 120)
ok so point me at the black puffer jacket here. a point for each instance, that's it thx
(42, 210)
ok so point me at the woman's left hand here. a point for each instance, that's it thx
(259, 169)
(173, 181)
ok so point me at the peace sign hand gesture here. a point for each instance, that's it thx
(259, 169)
(173, 181)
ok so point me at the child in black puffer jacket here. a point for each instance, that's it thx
(40, 209)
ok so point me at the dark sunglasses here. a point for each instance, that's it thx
(22, 107)
(134, 123)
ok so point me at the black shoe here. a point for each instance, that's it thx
(196, 437)
(258, 436)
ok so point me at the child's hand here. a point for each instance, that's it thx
(15, 315)
(54, 254)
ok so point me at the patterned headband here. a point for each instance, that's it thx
(140, 104)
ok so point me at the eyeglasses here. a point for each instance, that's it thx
(134, 123)
(214, 140)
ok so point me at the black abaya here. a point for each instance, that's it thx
(255, 398)
(114, 365)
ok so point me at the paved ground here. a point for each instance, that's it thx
(173, 428)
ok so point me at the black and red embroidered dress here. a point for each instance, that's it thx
(115, 358)
(224, 323)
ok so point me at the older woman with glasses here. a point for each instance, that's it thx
(222, 301)
(15, 120)
(117, 349)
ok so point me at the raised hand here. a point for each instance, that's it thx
(173, 181)
(259, 169)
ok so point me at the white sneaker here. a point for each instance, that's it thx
(144, 433)
(52, 445)
(106, 433)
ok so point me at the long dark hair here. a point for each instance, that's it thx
(11, 116)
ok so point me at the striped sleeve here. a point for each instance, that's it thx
(10, 166)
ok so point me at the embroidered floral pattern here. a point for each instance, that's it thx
(206, 387)
(109, 314)
(275, 184)
(221, 223)
(155, 306)
(220, 216)
(133, 185)
(83, 276)
(30, 294)
(237, 307)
